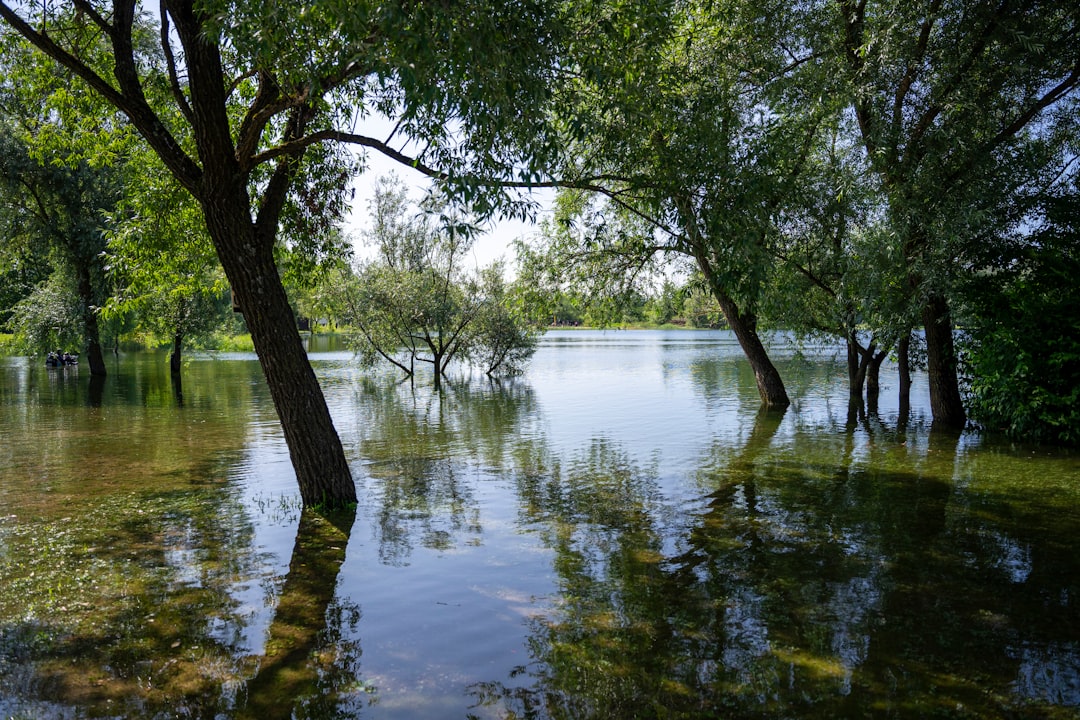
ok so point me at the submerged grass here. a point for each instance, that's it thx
(119, 608)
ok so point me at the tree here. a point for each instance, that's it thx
(940, 91)
(699, 121)
(161, 260)
(246, 105)
(415, 302)
(1021, 338)
(505, 339)
(62, 210)
(838, 273)
(20, 273)
(587, 264)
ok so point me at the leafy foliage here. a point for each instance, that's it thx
(415, 302)
(50, 317)
(1023, 343)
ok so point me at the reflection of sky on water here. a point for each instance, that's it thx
(1049, 672)
(624, 483)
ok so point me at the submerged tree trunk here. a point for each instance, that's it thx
(437, 364)
(245, 248)
(946, 405)
(858, 362)
(744, 324)
(873, 379)
(94, 356)
(175, 357)
(322, 471)
(903, 366)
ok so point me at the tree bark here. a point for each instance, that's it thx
(322, 471)
(903, 367)
(769, 383)
(94, 355)
(873, 380)
(245, 248)
(744, 324)
(858, 361)
(175, 357)
(946, 405)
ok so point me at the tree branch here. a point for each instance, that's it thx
(277, 189)
(170, 62)
(87, 9)
(915, 62)
(267, 103)
(133, 105)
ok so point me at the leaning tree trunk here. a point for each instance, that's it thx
(946, 405)
(744, 324)
(322, 471)
(94, 356)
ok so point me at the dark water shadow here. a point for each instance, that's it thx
(289, 675)
(95, 391)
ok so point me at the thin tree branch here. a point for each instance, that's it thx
(170, 62)
(87, 9)
(915, 63)
(128, 98)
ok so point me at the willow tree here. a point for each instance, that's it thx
(415, 300)
(248, 104)
(698, 117)
(61, 179)
(941, 91)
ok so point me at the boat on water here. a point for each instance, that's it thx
(59, 358)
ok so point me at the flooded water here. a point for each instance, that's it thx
(620, 533)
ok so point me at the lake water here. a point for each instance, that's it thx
(619, 533)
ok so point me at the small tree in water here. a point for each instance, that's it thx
(415, 301)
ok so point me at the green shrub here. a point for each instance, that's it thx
(1023, 351)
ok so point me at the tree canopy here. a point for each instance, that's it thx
(248, 106)
(416, 300)
(846, 167)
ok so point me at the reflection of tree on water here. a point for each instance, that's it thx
(808, 583)
(133, 614)
(306, 664)
(596, 656)
(425, 449)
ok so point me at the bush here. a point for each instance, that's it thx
(1023, 352)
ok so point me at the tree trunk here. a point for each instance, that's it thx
(94, 356)
(769, 383)
(174, 358)
(437, 364)
(858, 361)
(873, 380)
(322, 471)
(903, 366)
(946, 405)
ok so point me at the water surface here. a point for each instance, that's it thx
(618, 533)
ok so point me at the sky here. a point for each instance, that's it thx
(488, 247)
